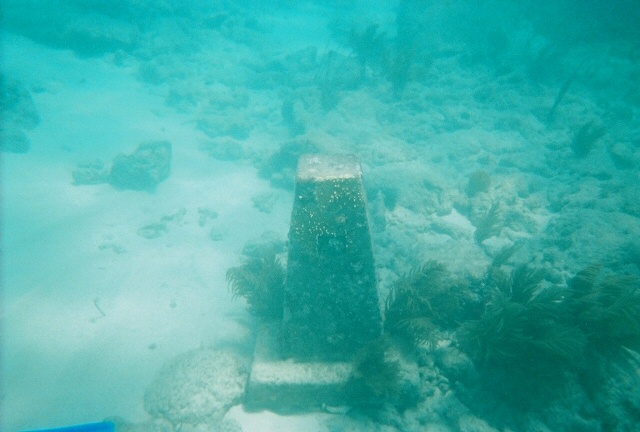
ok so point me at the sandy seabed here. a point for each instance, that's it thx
(73, 253)
(92, 310)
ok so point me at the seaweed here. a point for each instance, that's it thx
(398, 62)
(479, 182)
(523, 342)
(407, 56)
(489, 224)
(261, 282)
(560, 96)
(505, 255)
(368, 46)
(376, 374)
(399, 59)
(585, 139)
(607, 311)
(422, 301)
(280, 167)
(290, 117)
(533, 336)
(330, 79)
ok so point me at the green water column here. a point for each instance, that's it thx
(331, 307)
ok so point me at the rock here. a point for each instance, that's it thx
(89, 29)
(409, 382)
(270, 242)
(216, 235)
(280, 167)
(157, 229)
(205, 214)
(90, 173)
(455, 365)
(109, 243)
(624, 155)
(217, 125)
(14, 140)
(143, 170)
(479, 182)
(153, 230)
(471, 423)
(264, 201)
(176, 216)
(224, 149)
(197, 388)
(19, 114)
(17, 104)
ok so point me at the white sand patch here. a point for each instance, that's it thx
(270, 422)
(72, 254)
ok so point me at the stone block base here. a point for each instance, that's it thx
(287, 386)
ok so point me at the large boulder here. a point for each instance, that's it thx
(197, 388)
(144, 169)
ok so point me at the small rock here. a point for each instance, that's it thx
(90, 173)
(264, 201)
(14, 140)
(177, 216)
(471, 423)
(455, 365)
(109, 243)
(143, 170)
(19, 114)
(18, 108)
(216, 235)
(204, 214)
(268, 243)
(153, 230)
(224, 149)
(624, 156)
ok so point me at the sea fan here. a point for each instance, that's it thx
(376, 374)
(607, 310)
(422, 301)
(523, 342)
(261, 282)
(489, 225)
(585, 139)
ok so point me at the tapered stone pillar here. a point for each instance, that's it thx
(331, 307)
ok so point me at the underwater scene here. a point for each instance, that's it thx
(320, 216)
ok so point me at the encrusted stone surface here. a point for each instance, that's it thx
(331, 302)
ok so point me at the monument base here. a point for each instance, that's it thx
(286, 386)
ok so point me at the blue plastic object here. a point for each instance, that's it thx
(89, 427)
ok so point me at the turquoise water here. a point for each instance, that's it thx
(149, 146)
